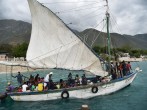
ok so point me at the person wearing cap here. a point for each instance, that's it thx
(10, 88)
(48, 79)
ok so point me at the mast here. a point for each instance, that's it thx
(108, 34)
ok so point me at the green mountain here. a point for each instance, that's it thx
(97, 38)
(16, 32)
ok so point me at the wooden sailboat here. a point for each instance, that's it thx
(54, 45)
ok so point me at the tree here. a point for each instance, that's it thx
(135, 53)
(5, 48)
(97, 49)
(20, 50)
(115, 52)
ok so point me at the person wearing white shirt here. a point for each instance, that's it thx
(24, 87)
(48, 79)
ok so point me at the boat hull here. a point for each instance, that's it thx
(84, 92)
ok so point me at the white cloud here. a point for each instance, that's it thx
(130, 14)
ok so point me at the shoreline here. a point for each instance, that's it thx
(8, 68)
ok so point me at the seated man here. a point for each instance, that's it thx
(40, 86)
(24, 87)
(19, 89)
(10, 88)
(51, 85)
(96, 79)
(32, 88)
(61, 83)
(84, 80)
(77, 80)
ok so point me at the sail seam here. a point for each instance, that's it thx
(74, 33)
(53, 50)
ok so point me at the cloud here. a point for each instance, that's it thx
(129, 14)
(14, 9)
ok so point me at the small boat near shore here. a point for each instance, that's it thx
(54, 45)
(81, 92)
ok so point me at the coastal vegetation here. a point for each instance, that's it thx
(119, 51)
(20, 50)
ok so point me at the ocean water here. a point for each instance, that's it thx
(133, 97)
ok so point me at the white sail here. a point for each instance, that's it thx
(54, 45)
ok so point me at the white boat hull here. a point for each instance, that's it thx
(82, 93)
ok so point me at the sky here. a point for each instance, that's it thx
(127, 16)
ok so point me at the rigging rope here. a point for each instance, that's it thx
(6, 74)
(52, 50)
(92, 13)
(55, 50)
(78, 8)
(97, 36)
(57, 57)
(71, 2)
(11, 73)
(117, 28)
(78, 48)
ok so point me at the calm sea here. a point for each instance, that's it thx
(133, 97)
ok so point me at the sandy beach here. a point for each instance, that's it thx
(7, 68)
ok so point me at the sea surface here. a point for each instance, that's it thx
(133, 97)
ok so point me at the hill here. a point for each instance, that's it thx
(118, 40)
(16, 32)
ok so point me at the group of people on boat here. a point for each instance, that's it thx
(120, 69)
(45, 83)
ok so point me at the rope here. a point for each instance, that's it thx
(117, 28)
(71, 2)
(52, 50)
(6, 75)
(91, 12)
(97, 36)
(73, 9)
(57, 57)
(90, 31)
(11, 73)
(78, 48)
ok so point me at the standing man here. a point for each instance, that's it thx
(69, 79)
(128, 67)
(124, 68)
(19, 78)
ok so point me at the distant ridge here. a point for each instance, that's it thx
(16, 32)
(135, 42)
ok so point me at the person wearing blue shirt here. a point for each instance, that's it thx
(19, 78)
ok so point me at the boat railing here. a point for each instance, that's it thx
(89, 85)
